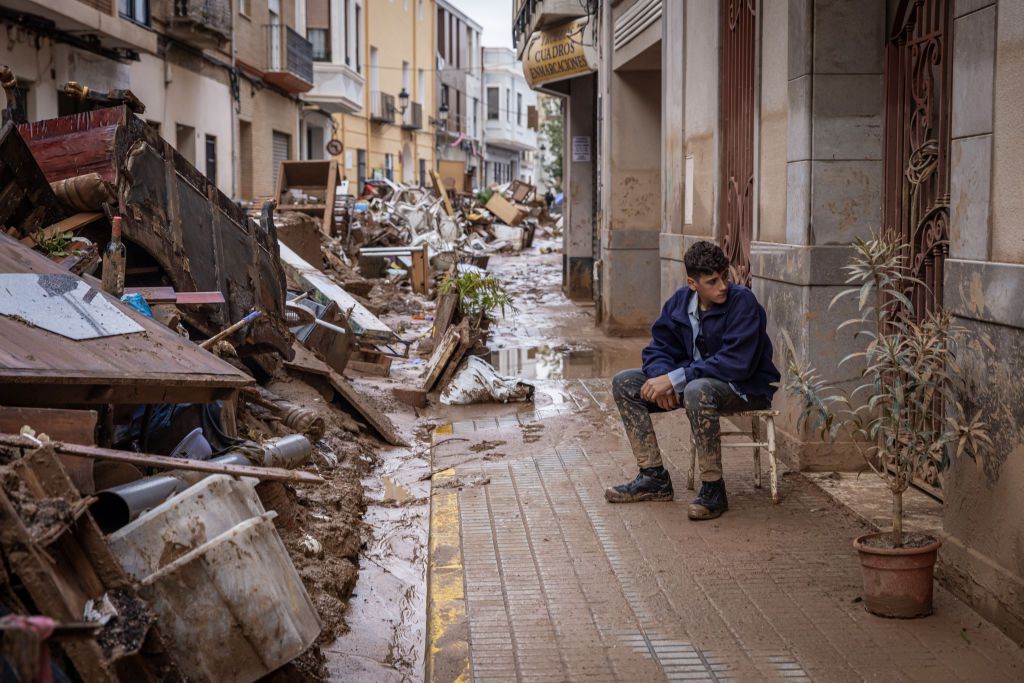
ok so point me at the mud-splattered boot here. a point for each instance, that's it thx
(652, 484)
(711, 502)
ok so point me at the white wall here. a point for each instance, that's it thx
(189, 99)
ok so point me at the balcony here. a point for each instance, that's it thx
(96, 22)
(382, 107)
(203, 23)
(337, 88)
(289, 60)
(412, 119)
(534, 15)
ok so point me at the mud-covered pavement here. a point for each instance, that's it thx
(507, 564)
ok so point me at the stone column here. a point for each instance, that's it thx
(578, 185)
(834, 66)
(673, 143)
(630, 87)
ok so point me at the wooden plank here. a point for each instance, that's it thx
(465, 344)
(444, 314)
(167, 295)
(69, 224)
(440, 189)
(364, 324)
(371, 363)
(419, 275)
(439, 360)
(166, 463)
(368, 409)
(305, 361)
(76, 426)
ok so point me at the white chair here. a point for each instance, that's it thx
(756, 416)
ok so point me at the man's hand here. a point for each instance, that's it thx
(659, 390)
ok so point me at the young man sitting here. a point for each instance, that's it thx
(710, 354)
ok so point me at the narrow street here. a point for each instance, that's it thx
(533, 576)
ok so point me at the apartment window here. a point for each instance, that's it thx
(420, 3)
(459, 121)
(519, 109)
(211, 158)
(440, 31)
(458, 45)
(359, 62)
(421, 86)
(389, 166)
(135, 10)
(444, 95)
(423, 172)
(185, 142)
(508, 105)
(406, 77)
(281, 150)
(344, 12)
(492, 104)
(320, 39)
(360, 170)
(243, 7)
(474, 116)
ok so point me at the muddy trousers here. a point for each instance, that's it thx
(704, 400)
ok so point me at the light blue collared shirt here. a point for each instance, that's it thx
(678, 376)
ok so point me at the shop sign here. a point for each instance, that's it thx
(559, 53)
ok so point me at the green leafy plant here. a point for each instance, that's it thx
(907, 408)
(484, 196)
(480, 295)
(55, 245)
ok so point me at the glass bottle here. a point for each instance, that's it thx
(114, 260)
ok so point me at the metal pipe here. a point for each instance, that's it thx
(119, 505)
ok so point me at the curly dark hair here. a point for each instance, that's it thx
(705, 258)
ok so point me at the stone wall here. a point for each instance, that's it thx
(983, 556)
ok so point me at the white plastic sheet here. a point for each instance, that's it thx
(478, 382)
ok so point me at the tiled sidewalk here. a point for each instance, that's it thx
(559, 585)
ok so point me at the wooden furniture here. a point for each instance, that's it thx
(315, 182)
(756, 417)
(416, 259)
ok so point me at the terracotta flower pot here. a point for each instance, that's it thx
(897, 581)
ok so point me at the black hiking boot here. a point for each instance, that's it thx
(711, 502)
(653, 483)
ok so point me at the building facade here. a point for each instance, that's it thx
(459, 90)
(510, 119)
(220, 84)
(784, 130)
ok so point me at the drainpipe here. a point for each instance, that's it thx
(237, 106)
(117, 506)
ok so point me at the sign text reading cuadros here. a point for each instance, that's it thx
(559, 53)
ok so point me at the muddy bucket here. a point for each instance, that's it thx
(234, 609)
(184, 522)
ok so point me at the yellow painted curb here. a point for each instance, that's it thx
(447, 627)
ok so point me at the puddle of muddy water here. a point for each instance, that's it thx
(559, 362)
(387, 612)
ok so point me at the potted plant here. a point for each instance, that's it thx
(906, 409)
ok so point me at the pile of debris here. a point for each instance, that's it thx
(180, 446)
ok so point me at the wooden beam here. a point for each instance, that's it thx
(443, 191)
(166, 463)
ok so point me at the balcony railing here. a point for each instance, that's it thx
(382, 107)
(206, 23)
(412, 119)
(289, 59)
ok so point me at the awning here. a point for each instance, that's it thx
(559, 53)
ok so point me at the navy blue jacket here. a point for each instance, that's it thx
(739, 349)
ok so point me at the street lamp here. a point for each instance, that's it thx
(403, 101)
(442, 115)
